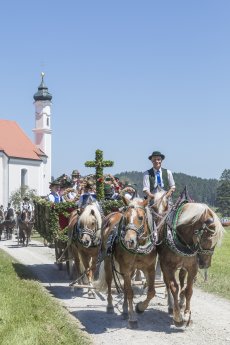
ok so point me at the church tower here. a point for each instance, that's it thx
(42, 130)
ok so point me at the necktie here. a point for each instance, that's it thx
(158, 178)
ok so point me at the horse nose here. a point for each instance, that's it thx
(131, 243)
(86, 243)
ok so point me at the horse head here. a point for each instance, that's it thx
(160, 201)
(134, 222)
(200, 227)
(26, 215)
(89, 226)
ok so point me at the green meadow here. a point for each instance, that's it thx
(28, 314)
(219, 273)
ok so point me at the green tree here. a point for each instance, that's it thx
(223, 194)
(17, 196)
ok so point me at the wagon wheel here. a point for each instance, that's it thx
(58, 253)
(69, 263)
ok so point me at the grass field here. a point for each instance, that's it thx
(28, 314)
(219, 272)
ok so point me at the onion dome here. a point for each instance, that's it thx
(42, 94)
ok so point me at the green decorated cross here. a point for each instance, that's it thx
(99, 164)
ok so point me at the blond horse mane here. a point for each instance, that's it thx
(87, 215)
(160, 201)
(194, 212)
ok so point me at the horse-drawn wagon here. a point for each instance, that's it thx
(51, 222)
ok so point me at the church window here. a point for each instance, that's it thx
(24, 178)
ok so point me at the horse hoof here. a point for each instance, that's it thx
(133, 324)
(138, 310)
(178, 324)
(170, 311)
(110, 310)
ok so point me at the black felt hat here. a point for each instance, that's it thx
(156, 153)
(55, 183)
(75, 173)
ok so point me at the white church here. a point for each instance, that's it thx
(22, 162)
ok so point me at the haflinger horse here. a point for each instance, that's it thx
(85, 242)
(128, 244)
(187, 240)
(9, 223)
(25, 226)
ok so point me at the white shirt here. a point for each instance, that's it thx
(146, 182)
(25, 206)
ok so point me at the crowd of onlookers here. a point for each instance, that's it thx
(77, 188)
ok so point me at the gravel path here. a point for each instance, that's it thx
(211, 315)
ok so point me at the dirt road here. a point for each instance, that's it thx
(210, 315)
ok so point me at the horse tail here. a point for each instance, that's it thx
(100, 284)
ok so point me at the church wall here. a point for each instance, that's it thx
(34, 177)
(4, 181)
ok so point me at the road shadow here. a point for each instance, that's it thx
(45, 273)
(97, 321)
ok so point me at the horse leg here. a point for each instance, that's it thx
(76, 262)
(28, 234)
(108, 279)
(170, 301)
(88, 264)
(182, 275)
(188, 295)
(172, 285)
(128, 295)
(150, 280)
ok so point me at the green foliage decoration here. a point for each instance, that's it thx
(109, 206)
(47, 218)
(99, 164)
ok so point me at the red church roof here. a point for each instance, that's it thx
(15, 143)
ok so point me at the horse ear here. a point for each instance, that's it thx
(125, 200)
(92, 212)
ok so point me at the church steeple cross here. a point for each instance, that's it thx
(99, 164)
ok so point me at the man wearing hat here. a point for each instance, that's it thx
(54, 195)
(154, 177)
(75, 184)
(25, 205)
(157, 176)
(88, 193)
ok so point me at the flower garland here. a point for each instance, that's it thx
(49, 216)
(99, 164)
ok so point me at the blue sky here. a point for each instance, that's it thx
(127, 77)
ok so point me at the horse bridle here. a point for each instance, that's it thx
(132, 226)
(87, 231)
(199, 233)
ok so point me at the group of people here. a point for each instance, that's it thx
(79, 189)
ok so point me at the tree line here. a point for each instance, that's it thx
(213, 192)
